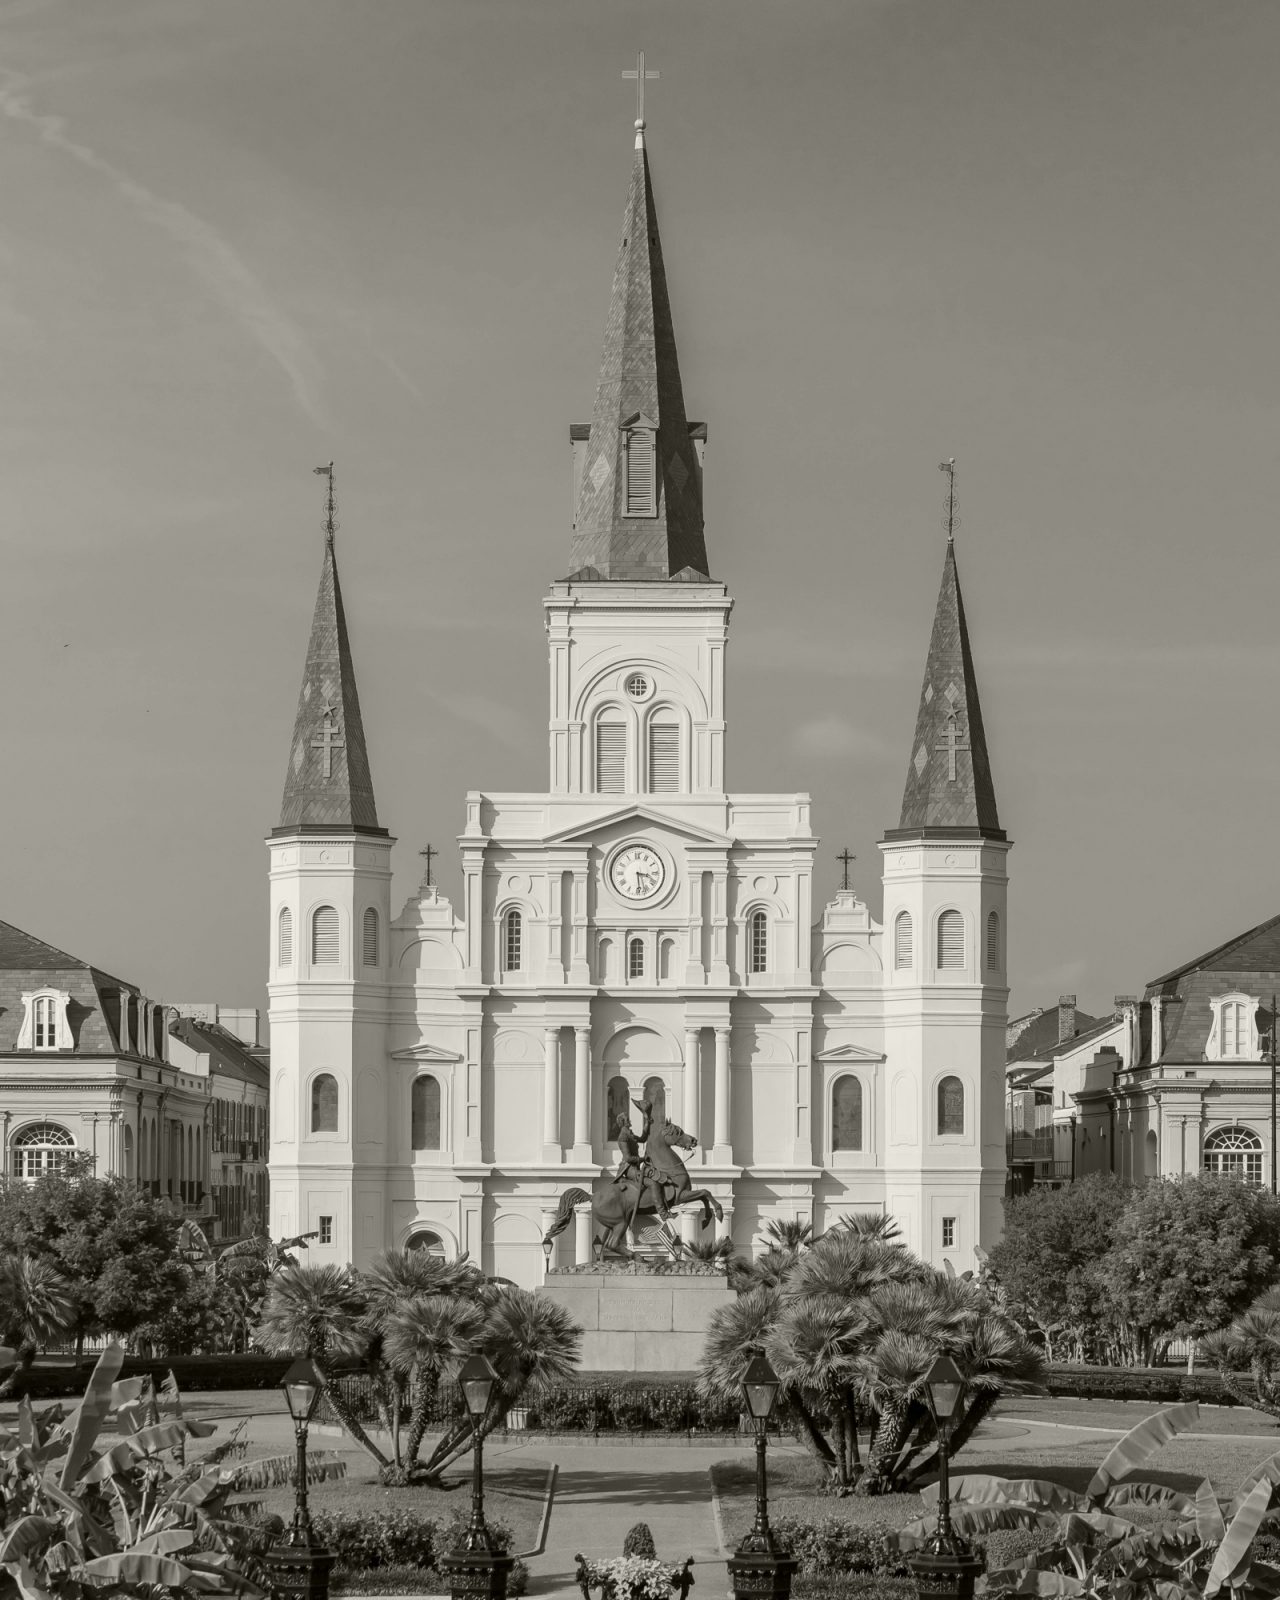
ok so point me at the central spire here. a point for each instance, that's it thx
(638, 511)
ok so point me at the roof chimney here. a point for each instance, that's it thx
(1066, 1017)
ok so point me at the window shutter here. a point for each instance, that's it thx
(902, 953)
(611, 757)
(286, 938)
(324, 937)
(371, 938)
(641, 464)
(993, 942)
(951, 939)
(664, 757)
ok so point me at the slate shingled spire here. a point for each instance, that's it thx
(639, 384)
(327, 785)
(949, 791)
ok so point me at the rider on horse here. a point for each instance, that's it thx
(633, 1167)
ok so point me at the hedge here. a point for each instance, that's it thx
(1139, 1383)
(46, 1381)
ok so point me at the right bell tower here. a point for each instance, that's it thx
(946, 936)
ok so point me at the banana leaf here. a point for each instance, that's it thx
(167, 1542)
(126, 1391)
(29, 1586)
(125, 1567)
(978, 1488)
(269, 1472)
(28, 1534)
(1234, 1551)
(1211, 1527)
(1270, 1468)
(1050, 1583)
(91, 1413)
(120, 1457)
(1142, 1492)
(1082, 1527)
(983, 1519)
(1140, 1444)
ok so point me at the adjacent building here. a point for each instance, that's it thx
(441, 1075)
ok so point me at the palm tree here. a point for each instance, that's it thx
(424, 1338)
(37, 1305)
(790, 1233)
(317, 1312)
(712, 1251)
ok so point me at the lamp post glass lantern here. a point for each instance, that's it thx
(477, 1567)
(945, 1568)
(301, 1565)
(758, 1567)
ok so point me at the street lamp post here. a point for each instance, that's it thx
(758, 1568)
(945, 1568)
(301, 1565)
(477, 1568)
(548, 1250)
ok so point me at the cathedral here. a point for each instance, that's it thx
(441, 1076)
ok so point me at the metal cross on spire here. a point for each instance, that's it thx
(640, 75)
(428, 856)
(950, 520)
(330, 520)
(844, 858)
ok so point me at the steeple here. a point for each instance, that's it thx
(949, 791)
(638, 497)
(327, 784)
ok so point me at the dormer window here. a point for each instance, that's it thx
(1234, 1033)
(640, 469)
(44, 1022)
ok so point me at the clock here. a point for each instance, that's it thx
(637, 872)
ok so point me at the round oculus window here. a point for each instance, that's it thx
(637, 686)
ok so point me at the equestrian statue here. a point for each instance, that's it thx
(646, 1184)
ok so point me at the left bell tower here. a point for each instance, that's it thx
(327, 970)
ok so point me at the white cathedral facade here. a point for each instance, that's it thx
(441, 1076)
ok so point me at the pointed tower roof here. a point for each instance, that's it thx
(327, 784)
(949, 792)
(640, 388)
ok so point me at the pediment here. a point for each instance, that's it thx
(586, 831)
(425, 1052)
(638, 419)
(850, 1052)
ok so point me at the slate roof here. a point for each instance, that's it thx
(28, 963)
(235, 1058)
(327, 783)
(1040, 1038)
(1250, 963)
(639, 376)
(949, 790)
(21, 951)
(1258, 950)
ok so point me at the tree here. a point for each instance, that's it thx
(1046, 1261)
(1188, 1255)
(37, 1305)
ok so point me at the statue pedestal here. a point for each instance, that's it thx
(637, 1317)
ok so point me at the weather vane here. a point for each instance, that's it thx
(950, 519)
(844, 858)
(330, 521)
(639, 74)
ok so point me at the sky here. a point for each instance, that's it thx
(241, 239)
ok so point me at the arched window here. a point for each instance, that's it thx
(611, 756)
(512, 940)
(1234, 1153)
(371, 938)
(655, 1092)
(617, 1104)
(41, 1150)
(640, 469)
(432, 1243)
(128, 1151)
(635, 958)
(324, 1103)
(950, 940)
(1235, 1030)
(993, 942)
(324, 937)
(284, 938)
(425, 1109)
(951, 1106)
(664, 757)
(44, 1013)
(902, 947)
(759, 942)
(846, 1113)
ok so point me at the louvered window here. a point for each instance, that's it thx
(611, 757)
(993, 942)
(951, 1106)
(324, 937)
(902, 948)
(950, 940)
(635, 959)
(285, 943)
(512, 939)
(371, 938)
(759, 942)
(641, 474)
(664, 757)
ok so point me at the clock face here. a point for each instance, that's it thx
(637, 872)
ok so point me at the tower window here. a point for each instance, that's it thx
(664, 757)
(635, 959)
(950, 1106)
(950, 940)
(325, 1228)
(993, 942)
(284, 939)
(846, 1114)
(324, 1103)
(324, 937)
(759, 942)
(902, 949)
(611, 757)
(948, 1233)
(45, 1018)
(425, 1113)
(512, 939)
(371, 938)
(640, 488)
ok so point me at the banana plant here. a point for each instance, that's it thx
(79, 1513)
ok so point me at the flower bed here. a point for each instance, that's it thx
(634, 1578)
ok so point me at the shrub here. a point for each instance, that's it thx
(368, 1540)
(1138, 1383)
(639, 1542)
(835, 1545)
(852, 1586)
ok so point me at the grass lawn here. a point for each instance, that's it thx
(795, 1485)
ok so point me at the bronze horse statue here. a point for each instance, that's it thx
(621, 1205)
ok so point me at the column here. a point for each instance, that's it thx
(551, 1096)
(582, 1228)
(724, 1228)
(723, 1151)
(691, 1086)
(582, 1094)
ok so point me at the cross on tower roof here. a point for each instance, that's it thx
(327, 738)
(844, 858)
(950, 521)
(951, 734)
(640, 75)
(428, 856)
